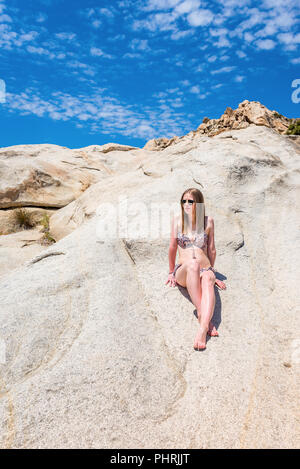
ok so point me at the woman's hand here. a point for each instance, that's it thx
(220, 284)
(172, 280)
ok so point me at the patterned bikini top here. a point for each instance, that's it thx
(185, 242)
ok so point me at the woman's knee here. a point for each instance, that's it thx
(208, 277)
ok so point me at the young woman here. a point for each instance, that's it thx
(193, 233)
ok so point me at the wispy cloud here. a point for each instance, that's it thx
(65, 36)
(96, 52)
(41, 17)
(139, 44)
(101, 113)
(223, 70)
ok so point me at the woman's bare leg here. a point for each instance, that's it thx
(208, 302)
(188, 276)
(193, 284)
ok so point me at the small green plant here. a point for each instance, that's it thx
(47, 238)
(23, 218)
(294, 129)
(276, 114)
(45, 222)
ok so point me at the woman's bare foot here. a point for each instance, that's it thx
(220, 284)
(200, 339)
(212, 331)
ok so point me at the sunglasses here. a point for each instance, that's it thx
(190, 201)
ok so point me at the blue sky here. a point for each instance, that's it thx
(78, 73)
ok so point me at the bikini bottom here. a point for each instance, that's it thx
(201, 270)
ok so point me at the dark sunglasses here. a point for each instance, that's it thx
(190, 202)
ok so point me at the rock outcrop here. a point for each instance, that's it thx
(247, 113)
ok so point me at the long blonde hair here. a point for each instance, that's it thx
(198, 197)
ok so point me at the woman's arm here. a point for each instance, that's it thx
(212, 253)
(172, 253)
(173, 245)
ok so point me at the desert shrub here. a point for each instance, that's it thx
(23, 218)
(294, 129)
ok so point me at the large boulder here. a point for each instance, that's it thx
(98, 352)
(52, 176)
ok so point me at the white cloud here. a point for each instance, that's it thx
(65, 36)
(106, 12)
(222, 42)
(284, 20)
(240, 54)
(132, 55)
(139, 44)
(172, 90)
(233, 3)
(212, 58)
(279, 3)
(249, 37)
(180, 34)
(185, 83)
(295, 61)
(86, 69)
(265, 44)
(200, 17)
(156, 22)
(256, 17)
(223, 70)
(41, 17)
(30, 36)
(187, 6)
(195, 89)
(40, 51)
(239, 78)
(289, 38)
(269, 30)
(160, 4)
(96, 23)
(5, 19)
(95, 52)
(118, 37)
